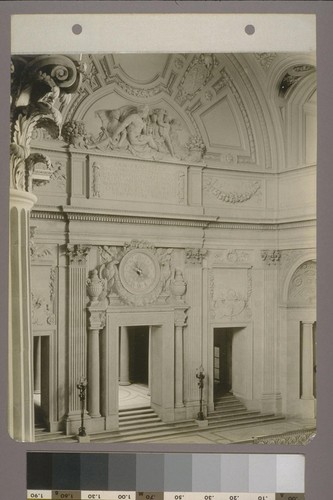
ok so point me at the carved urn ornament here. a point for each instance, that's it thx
(94, 287)
(178, 285)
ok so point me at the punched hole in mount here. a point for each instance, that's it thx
(249, 29)
(77, 29)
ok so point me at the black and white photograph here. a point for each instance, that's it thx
(163, 248)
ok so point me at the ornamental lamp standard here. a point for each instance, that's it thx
(200, 375)
(82, 385)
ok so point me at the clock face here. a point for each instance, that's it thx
(139, 271)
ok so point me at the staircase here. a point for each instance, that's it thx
(42, 435)
(143, 424)
(230, 412)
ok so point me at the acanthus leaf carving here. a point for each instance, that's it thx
(271, 257)
(77, 254)
(195, 255)
(38, 87)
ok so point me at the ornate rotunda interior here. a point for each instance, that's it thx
(162, 223)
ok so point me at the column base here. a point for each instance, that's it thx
(73, 423)
(125, 383)
(271, 403)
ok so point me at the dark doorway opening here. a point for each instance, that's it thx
(139, 354)
(41, 364)
(222, 363)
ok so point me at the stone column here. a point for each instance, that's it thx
(20, 401)
(270, 395)
(77, 328)
(32, 79)
(307, 361)
(124, 357)
(180, 323)
(96, 323)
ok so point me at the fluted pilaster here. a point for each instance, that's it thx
(77, 328)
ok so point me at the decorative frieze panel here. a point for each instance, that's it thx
(124, 180)
(231, 256)
(219, 190)
(230, 291)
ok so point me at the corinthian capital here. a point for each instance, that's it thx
(39, 87)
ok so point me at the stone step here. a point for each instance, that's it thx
(154, 436)
(232, 416)
(227, 410)
(135, 418)
(134, 411)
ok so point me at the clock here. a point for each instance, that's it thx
(139, 271)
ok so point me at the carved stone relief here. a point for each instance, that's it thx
(302, 287)
(196, 76)
(265, 59)
(77, 254)
(37, 251)
(195, 255)
(43, 303)
(232, 256)
(138, 273)
(139, 131)
(233, 191)
(230, 302)
(54, 176)
(271, 257)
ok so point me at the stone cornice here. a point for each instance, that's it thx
(68, 216)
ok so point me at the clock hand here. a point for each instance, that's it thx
(138, 271)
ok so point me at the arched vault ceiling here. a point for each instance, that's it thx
(214, 108)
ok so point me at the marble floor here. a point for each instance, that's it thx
(133, 396)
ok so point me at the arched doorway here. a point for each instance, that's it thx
(301, 331)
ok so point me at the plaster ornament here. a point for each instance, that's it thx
(178, 285)
(39, 86)
(271, 257)
(94, 287)
(195, 77)
(213, 186)
(144, 132)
